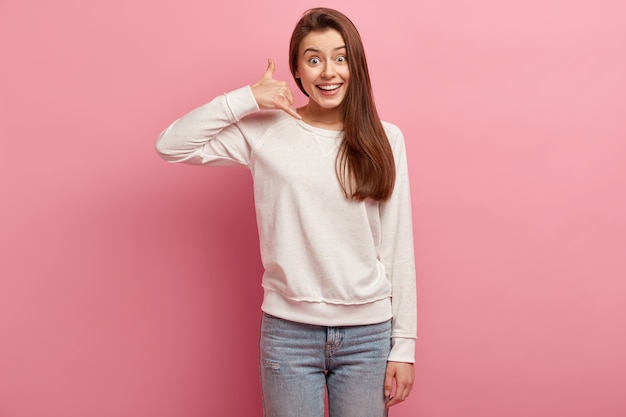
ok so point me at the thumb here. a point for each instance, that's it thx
(269, 72)
(388, 384)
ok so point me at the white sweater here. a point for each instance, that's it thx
(328, 260)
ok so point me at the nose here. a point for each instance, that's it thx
(329, 69)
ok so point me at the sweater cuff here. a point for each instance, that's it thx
(402, 350)
(241, 102)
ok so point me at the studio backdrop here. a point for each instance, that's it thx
(130, 287)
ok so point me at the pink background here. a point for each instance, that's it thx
(130, 287)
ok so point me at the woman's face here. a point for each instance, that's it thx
(323, 68)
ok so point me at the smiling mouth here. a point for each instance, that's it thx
(329, 87)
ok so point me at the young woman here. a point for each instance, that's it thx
(333, 210)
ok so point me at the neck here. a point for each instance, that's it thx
(322, 117)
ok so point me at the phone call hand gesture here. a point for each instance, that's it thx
(273, 94)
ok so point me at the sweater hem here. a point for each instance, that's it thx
(326, 314)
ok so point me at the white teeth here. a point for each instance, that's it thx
(329, 87)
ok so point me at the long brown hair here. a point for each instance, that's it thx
(365, 165)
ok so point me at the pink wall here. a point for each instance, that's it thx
(129, 287)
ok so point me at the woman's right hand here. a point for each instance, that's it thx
(273, 94)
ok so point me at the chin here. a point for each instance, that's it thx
(329, 104)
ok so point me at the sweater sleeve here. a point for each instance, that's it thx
(397, 255)
(211, 134)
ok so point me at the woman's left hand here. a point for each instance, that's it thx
(403, 375)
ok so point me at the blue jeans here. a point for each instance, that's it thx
(298, 362)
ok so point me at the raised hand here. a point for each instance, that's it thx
(273, 94)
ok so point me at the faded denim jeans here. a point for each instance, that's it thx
(298, 362)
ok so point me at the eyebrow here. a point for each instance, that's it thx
(317, 50)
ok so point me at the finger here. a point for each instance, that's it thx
(393, 401)
(403, 389)
(286, 95)
(388, 385)
(289, 96)
(269, 72)
(396, 400)
(287, 109)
